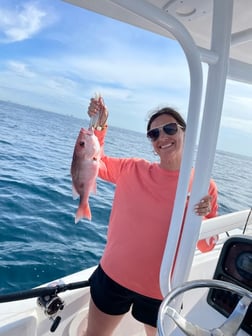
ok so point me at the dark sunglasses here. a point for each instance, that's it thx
(169, 129)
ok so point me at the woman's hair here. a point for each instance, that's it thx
(169, 111)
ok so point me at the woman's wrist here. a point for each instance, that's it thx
(101, 127)
(102, 121)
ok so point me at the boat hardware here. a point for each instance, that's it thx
(229, 328)
(47, 298)
(51, 305)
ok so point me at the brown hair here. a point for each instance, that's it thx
(169, 111)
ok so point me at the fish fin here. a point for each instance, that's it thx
(94, 188)
(83, 212)
(74, 192)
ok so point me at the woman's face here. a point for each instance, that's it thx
(168, 147)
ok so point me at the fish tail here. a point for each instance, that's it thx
(83, 212)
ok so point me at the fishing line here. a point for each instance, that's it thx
(247, 221)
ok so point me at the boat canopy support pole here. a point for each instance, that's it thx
(216, 82)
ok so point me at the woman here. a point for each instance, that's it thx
(128, 274)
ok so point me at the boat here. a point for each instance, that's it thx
(207, 293)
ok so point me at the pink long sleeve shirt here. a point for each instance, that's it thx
(139, 221)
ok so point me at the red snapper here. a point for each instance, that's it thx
(84, 170)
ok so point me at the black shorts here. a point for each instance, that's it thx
(114, 299)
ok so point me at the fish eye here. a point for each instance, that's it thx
(82, 143)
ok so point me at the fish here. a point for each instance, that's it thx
(84, 170)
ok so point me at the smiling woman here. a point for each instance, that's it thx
(158, 205)
(143, 204)
(167, 140)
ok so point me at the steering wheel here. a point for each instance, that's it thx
(229, 328)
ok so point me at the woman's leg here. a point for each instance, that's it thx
(99, 323)
(149, 330)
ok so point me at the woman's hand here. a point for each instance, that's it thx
(204, 207)
(97, 106)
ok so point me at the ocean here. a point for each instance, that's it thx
(39, 240)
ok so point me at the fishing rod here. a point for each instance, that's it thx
(47, 298)
(51, 289)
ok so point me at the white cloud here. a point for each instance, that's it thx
(20, 69)
(122, 72)
(22, 22)
(240, 105)
(237, 107)
(237, 124)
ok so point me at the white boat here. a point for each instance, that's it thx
(218, 33)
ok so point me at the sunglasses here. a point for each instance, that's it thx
(169, 129)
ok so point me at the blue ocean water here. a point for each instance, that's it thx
(39, 240)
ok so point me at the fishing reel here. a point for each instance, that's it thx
(47, 298)
(51, 305)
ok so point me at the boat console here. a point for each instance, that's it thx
(234, 266)
(229, 294)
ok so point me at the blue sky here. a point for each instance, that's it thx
(55, 57)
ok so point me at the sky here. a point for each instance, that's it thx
(55, 57)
